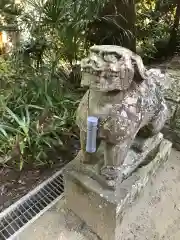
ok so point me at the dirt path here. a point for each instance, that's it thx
(156, 216)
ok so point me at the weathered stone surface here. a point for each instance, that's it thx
(176, 119)
(142, 151)
(173, 92)
(143, 144)
(129, 110)
(172, 106)
(103, 209)
(172, 135)
(147, 149)
(172, 95)
(126, 98)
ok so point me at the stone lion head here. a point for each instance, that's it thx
(110, 67)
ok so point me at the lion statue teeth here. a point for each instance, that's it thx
(125, 96)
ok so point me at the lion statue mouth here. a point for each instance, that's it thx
(100, 73)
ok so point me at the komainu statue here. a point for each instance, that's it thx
(127, 99)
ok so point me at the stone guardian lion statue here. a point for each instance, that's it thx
(127, 99)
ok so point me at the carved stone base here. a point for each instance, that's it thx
(103, 209)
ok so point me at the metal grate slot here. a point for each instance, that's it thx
(19, 215)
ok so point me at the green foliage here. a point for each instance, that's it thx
(9, 10)
(38, 97)
(154, 23)
(62, 24)
(38, 81)
(36, 113)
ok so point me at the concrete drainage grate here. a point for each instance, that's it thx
(18, 216)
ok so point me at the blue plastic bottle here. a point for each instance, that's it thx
(92, 123)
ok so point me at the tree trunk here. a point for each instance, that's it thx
(131, 21)
(173, 37)
(116, 25)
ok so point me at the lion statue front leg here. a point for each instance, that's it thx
(118, 134)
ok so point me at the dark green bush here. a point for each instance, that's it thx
(36, 111)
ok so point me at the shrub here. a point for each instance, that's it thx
(36, 112)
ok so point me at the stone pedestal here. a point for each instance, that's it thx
(102, 209)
